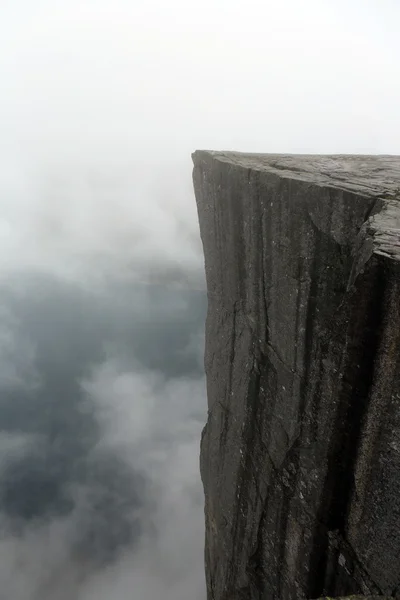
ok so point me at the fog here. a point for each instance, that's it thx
(102, 293)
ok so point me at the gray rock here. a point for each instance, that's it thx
(300, 457)
(357, 598)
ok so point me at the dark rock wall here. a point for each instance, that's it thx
(300, 457)
(358, 598)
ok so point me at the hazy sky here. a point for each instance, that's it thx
(153, 80)
(102, 299)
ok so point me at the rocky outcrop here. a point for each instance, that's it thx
(300, 457)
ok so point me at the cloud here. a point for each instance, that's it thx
(100, 458)
(85, 225)
(16, 354)
(155, 424)
(13, 446)
(153, 427)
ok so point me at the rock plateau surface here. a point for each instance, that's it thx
(300, 456)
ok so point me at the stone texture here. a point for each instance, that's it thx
(300, 457)
(357, 598)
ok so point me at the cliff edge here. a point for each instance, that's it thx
(300, 457)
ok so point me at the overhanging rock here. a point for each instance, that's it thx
(300, 457)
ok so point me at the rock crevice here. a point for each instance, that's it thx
(300, 457)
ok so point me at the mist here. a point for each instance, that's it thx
(102, 292)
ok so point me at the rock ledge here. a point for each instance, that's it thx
(300, 457)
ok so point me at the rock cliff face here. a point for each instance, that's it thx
(300, 457)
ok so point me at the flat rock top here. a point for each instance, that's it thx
(365, 174)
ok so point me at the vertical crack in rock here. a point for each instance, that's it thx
(300, 457)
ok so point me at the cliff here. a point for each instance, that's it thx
(300, 457)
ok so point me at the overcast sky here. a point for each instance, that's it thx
(102, 299)
(159, 78)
